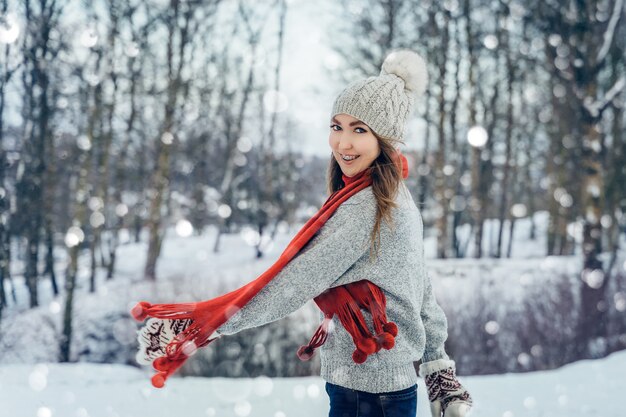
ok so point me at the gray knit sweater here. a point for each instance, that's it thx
(338, 254)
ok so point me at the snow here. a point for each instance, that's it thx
(94, 390)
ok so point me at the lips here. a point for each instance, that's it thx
(342, 155)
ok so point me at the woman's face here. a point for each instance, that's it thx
(352, 137)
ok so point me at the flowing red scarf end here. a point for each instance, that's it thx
(206, 317)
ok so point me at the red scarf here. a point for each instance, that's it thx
(345, 301)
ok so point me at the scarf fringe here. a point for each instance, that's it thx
(370, 297)
(346, 302)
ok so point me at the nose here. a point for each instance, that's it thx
(344, 142)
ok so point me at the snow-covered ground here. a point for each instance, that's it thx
(586, 388)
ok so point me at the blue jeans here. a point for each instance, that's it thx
(346, 402)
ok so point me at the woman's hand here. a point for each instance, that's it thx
(156, 334)
(448, 398)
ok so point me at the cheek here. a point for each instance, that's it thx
(332, 142)
(373, 149)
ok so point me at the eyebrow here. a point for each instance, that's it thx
(358, 122)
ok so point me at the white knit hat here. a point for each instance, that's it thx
(385, 102)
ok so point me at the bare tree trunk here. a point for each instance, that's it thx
(96, 135)
(593, 318)
(106, 139)
(5, 236)
(137, 218)
(261, 191)
(68, 311)
(50, 255)
(441, 183)
(164, 144)
(37, 53)
(517, 193)
(75, 235)
(270, 194)
(616, 176)
(511, 75)
(509, 248)
(552, 169)
(460, 154)
(422, 166)
(475, 207)
(235, 125)
(120, 183)
(50, 193)
(528, 184)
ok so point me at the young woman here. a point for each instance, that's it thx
(361, 258)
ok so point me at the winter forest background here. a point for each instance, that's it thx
(169, 150)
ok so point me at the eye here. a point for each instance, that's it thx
(331, 126)
(364, 131)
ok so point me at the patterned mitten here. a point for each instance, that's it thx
(155, 336)
(448, 398)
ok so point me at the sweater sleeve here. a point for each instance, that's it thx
(341, 241)
(435, 324)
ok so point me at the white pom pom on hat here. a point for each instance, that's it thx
(409, 66)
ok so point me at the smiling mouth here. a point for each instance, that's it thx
(350, 159)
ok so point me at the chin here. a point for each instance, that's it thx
(352, 172)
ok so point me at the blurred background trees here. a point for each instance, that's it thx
(122, 120)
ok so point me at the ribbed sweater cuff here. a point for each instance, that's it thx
(385, 377)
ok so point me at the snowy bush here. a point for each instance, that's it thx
(30, 337)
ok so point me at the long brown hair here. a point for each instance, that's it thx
(386, 179)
